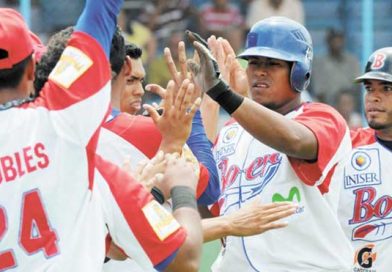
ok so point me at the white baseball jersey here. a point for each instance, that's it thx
(365, 206)
(56, 201)
(248, 169)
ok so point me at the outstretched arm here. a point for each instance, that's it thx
(254, 218)
(99, 20)
(271, 128)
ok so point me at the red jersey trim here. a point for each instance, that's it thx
(324, 187)
(202, 184)
(362, 136)
(329, 128)
(131, 197)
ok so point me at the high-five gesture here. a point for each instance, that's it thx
(175, 123)
(231, 70)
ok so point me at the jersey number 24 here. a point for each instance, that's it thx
(35, 233)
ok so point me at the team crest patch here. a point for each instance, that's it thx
(162, 222)
(72, 64)
(363, 169)
(360, 161)
(230, 135)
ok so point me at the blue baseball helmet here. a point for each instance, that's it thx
(379, 66)
(283, 39)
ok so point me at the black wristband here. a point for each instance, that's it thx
(225, 97)
(158, 195)
(183, 196)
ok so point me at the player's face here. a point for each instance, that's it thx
(378, 104)
(269, 83)
(131, 96)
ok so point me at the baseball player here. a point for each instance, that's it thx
(132, 94)
(57, 199)
(365, 205)
(277, 148)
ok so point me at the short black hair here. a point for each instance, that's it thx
(117, 51)
(10, 78)
(133, 51)
(56, 46)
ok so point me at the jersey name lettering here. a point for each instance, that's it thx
(27, 160)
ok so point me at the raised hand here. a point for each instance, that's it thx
(231, 70)
(205, 73)
(175, 123)
(179, 76)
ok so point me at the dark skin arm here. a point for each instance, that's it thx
(269, 127)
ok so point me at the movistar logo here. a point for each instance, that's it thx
(294, 193)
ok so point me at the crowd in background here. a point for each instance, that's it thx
(156, 24)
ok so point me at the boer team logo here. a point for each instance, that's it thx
(372, 215)
(240, 185)
(365, 256)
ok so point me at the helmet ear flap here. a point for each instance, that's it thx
(300, 76)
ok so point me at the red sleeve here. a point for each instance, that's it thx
(329, 128)
(138, 130)
(131, 198)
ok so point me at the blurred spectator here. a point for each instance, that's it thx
(165, 17)
(260, 9)
(345, 104)
(222, 19)
(334, 71)
(137, 33)
(8, 3)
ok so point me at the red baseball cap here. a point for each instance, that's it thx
(38, 46)
(15, 41)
